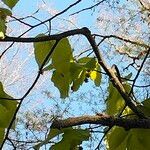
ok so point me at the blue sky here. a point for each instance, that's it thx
(83, 100)
(26, 8)
(30, 69)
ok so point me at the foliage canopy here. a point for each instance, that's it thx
(125, 121)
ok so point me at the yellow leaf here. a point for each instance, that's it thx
(93, 75)
(2, 36)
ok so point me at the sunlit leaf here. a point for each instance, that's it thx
(2, 36)
(93, 69)
(146, 107)
(116, 139)
(3, 14)
(96, 75)
(77, 75)
(61, 81)
(91, 64)
(77, 82)
(7, 108)
(49, 67)
(10, 3)
(2, 132)
(75, 70)
(134, 139)
(114, 101)
(62, 56)
(71, 139)
(2, 27)
(61, 60)
(41, 50)
(53, 133)
(84, 60)
(138, 139)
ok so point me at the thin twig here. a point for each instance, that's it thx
(43, 22)
(21, 21)
(6, 49)
(87, 8)
(123, 39)
(10, 99)
(131, 91)
(25, 95)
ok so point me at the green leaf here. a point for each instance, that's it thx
(2, 133)
(77, 75)
(71, 139)
(96, 75)
(75, 70)
(91, 64)
(10, 3)
(41, 50)
(93, 69)
(3, 14)
(84, 60)
(61, 60)
(77, 82)
(62, 56)
(7, 108)
(138, 139)
(134, 139)
(2, 36)
(116, 139)
(53, 133)
(61, 81)
(114, 101)
(2, 27)
(146, 107)
(88, 63)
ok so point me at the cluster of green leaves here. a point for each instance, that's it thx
(7, 109)
(68, 73)
(71, 138)
(118, 138)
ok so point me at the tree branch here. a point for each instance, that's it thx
(123, 39)
(88, 7)
(86, 32)
(148, 51)
(28, 91)
(104, 120)
(113, 78)
(44, 38)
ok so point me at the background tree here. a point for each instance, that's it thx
(48, 56)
